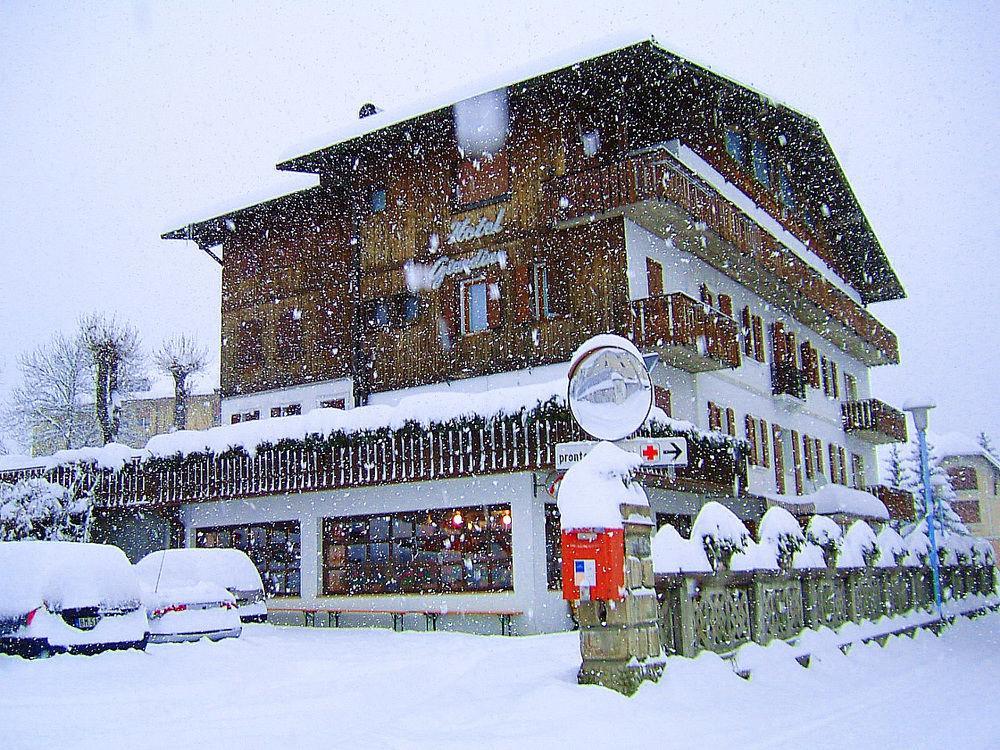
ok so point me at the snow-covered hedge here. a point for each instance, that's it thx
(38, 509)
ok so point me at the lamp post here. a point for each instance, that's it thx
(919, 411)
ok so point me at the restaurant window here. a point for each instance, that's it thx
(431, 551)
(734, 146)
(482, 180)
(474, 306)
(553, 547)
(274, 548)
(761, 165)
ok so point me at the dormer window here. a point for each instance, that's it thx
(785, 187)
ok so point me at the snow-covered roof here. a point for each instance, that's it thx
(831, 499)
(959, 444)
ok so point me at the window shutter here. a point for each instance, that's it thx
(654, 277)
(818, 455)
(810, 363)
(559, 286)
(834, 379)
(779, 456)
(747, 333)
(765, 457)
(661, 396)
(449, 305)
(731, 422)
(797, 462)
(714, 417)
(834, 474)
(807, 450)
(758, 338)
(842, 463)
(726, 305)
(522, 293)
(706, 295)
(751, 431)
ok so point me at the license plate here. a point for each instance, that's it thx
(86, 623)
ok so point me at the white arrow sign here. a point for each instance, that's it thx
(653, 451)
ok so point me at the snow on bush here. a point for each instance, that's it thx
(918, 548)
(780, 530)
(983, 552)
(672, 553)
(38, 509)
(754, 556)
(955, 549)
(891, 548)
(859, 548)
(720, 532)
(824, 533)
(591, 493)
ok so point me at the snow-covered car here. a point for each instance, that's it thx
(190, 612)
(229, 568)
(68, 597)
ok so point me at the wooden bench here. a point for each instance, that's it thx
(431, 616)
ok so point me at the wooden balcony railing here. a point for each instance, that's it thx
(516, 443)
(656, 176)
(686, 332)
(788, 380)
(898, 502)
(874, 421)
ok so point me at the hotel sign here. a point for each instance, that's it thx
(472, 229)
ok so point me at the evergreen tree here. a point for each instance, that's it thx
(987, 445)
(942, 493)
(893, 467)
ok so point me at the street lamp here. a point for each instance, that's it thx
(919, 409)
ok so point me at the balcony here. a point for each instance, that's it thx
(686, 333)
(874, 421)
(898, 502)
(788, 381)
(654, 190)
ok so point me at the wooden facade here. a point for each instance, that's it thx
(315, 284)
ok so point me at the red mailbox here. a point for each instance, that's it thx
(593, 564)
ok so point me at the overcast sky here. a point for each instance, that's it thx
(123, 120)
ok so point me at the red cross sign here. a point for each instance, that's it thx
(650, 452)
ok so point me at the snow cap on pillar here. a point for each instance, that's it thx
(591, 493)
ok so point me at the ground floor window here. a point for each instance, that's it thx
(415, 552)
(273, 547)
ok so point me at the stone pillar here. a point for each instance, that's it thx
(620, 640)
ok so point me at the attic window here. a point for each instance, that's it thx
(761, 167)
(734, 146)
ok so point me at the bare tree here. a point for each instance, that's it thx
(117, 360)
(50, 410)
(181, 357)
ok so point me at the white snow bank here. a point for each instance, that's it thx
(859, 542)
(754, 556)
(672, 553)
(13, 462)
(591, 493)
(64, 575)
(230, 568)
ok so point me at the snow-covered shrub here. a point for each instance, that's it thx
(891, 548)
(825, 534)
(38, 509)
(672, 553)
(859, 548)
(780, 530)
(955, 549)
(720, 532)
(983, 554)
(753, 556)
(918, 548)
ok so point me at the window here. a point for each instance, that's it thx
(963, 478)
(236, 419)
(759, 438)
(378, 314)
(474, 302)
(807, 455)
(540, 285)
(378, 200)
(456, 549)
(810, 363)
(407, 308)
(591, 142)
(752, 329)
(332, 403)
(797, 462)
(778, 436)
(273, 547)
(761, 166)
(654, 277)
(734, 146)
(483, 180)
(967, 510)
(765, 459)
(786, 193)
(275, 411)
(553, 547)
(291, 410)
(250, 416)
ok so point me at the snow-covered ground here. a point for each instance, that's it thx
(298, 687)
